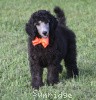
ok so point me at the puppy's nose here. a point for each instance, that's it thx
(45, 33)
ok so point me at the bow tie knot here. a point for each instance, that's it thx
(43, 41)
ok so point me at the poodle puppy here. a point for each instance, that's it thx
(49, 42)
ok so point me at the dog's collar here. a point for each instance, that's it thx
(43, 41)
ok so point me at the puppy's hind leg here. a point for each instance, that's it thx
(70, 61)
(71, 67)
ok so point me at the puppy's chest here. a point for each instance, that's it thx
(46, 55)
(46, 58)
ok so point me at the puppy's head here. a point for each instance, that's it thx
(41, 24)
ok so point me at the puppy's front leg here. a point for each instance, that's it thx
(53, 75)
(36, 73)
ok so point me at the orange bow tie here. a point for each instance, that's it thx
(43, 41)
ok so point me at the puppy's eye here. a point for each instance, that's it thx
(48, 21)
(37, 24)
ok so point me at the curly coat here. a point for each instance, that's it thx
(62, 46)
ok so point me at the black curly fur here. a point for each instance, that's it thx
(62, 45)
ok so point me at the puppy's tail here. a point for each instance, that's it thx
(60, 15)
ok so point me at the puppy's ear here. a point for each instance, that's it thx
(30, 28)
(53, 24)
